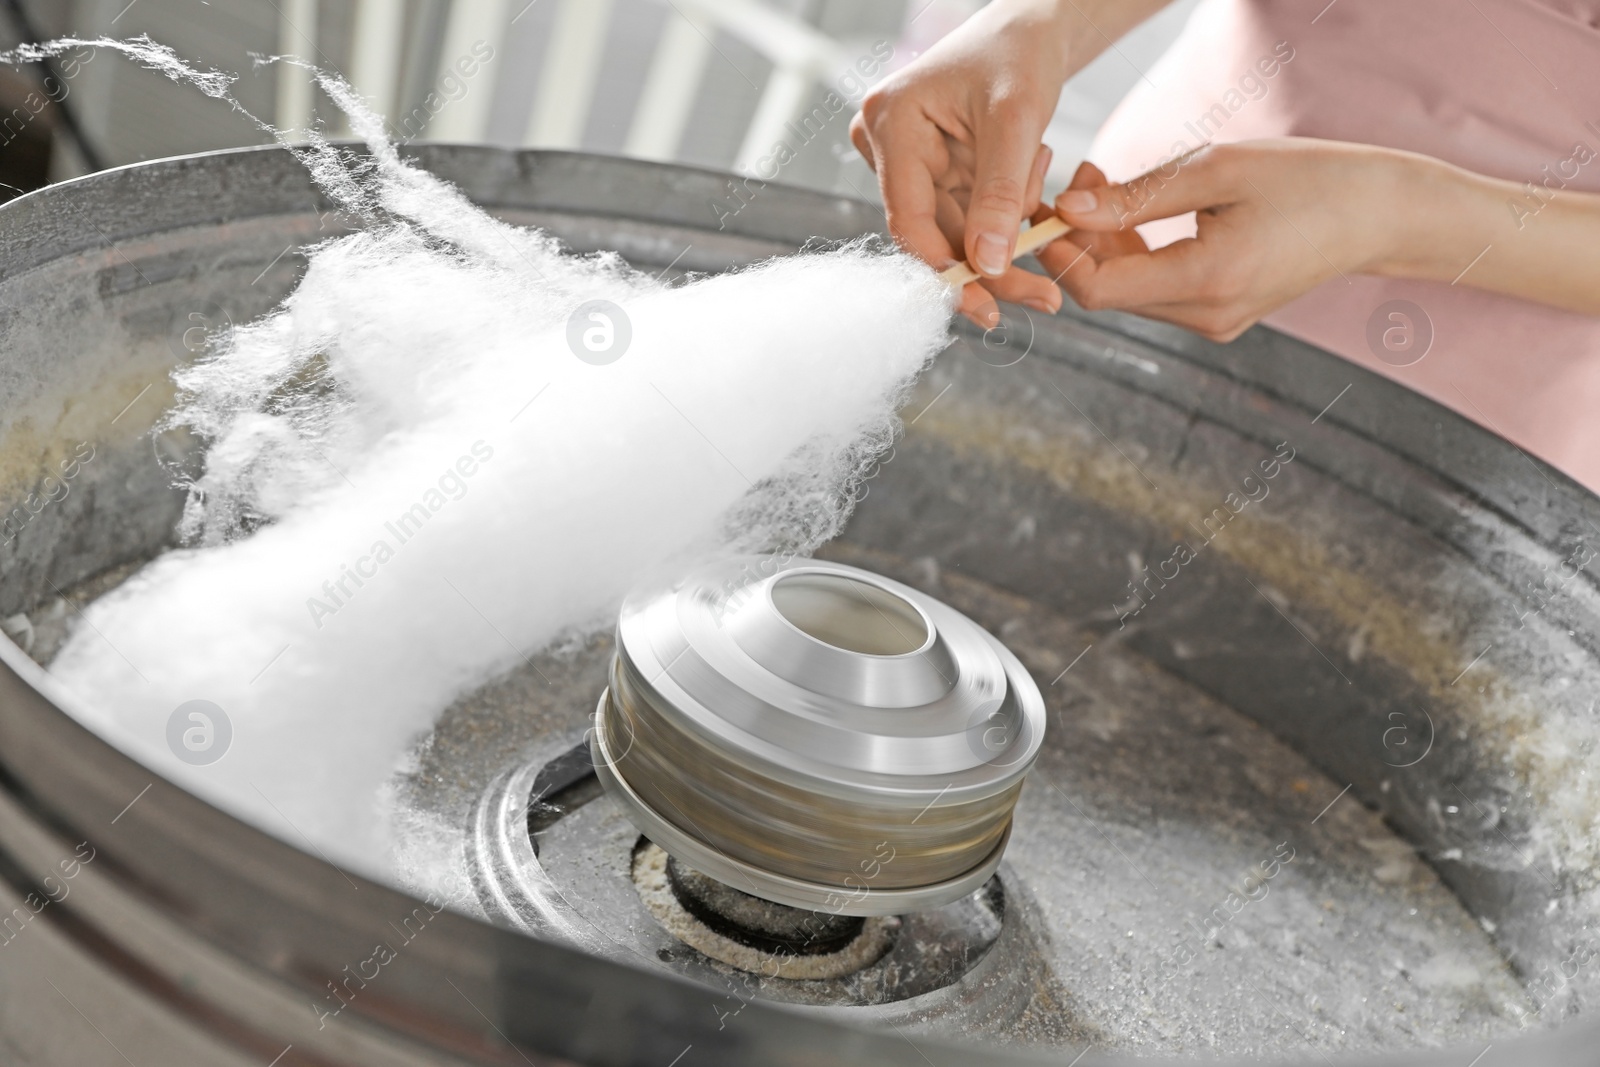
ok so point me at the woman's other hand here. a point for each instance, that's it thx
(1274, 219)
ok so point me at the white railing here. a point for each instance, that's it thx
(574, 61)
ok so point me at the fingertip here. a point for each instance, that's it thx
(1077, 201)
(1041, 167)
(861, 141)
(991, 253)
(979, 307)
(1083, 196)
(1047, 298)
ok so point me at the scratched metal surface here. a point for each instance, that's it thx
(1399, 626)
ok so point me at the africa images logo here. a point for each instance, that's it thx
(599, 332)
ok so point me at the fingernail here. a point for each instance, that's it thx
(1038, 304)
(994, 253)
(1077, 201)
(1041, 162)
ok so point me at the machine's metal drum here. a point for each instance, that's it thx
(1318, 660)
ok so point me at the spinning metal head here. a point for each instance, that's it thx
(817, 735)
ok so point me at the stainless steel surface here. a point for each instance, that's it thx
(1401, 575)
(824, 736)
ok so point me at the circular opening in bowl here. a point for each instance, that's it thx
(850, 614)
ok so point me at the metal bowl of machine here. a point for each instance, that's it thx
(1313, 662)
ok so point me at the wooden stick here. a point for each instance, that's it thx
(1030, 240)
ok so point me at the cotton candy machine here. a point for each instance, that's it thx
(1313, 666)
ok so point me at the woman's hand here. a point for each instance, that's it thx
(1274, 218)
(955, 136)
(1278, 218)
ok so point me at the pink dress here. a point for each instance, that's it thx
(1508, 88)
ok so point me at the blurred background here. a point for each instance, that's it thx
(715, 83)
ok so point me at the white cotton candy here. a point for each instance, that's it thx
(413, 484)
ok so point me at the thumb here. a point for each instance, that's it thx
(1088, 176)
(1178, 187)
(1007, 158)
